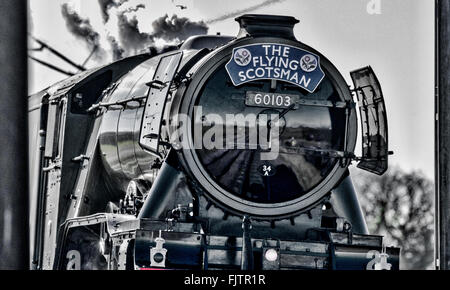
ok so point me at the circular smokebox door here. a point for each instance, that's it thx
(235, 169)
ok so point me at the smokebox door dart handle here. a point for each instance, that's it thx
(282, 114)
(156, 84)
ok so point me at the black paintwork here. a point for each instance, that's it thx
(93, 151)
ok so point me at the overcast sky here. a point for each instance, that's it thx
(398, 44)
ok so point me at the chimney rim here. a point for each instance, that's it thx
(267, 19)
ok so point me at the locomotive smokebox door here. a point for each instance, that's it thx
(373, 121)
(290, 165)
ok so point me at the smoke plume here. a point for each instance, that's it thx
(126, 38)
(130, 37)
(172, 29)
(82, 29)
(117, 51)
(135, 9)
(242, 11)
(106, 5)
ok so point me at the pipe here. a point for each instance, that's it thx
(169, 177)
(346, 205)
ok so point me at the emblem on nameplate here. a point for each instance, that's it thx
(242, 57)
(308, 63)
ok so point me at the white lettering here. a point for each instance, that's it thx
(284, 62)
(277, 72)
(260, 72)
(293, 65)
(250, 77)
(270, 59)
(276, 50)
(285, 74)
(294, 78)
(305, 81)
(255, 61)
(242, 76)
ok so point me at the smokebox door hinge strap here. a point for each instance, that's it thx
(80, 158)
(53, 166)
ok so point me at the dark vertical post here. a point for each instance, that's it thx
(247, 262)
(443, 134)
(14, 237)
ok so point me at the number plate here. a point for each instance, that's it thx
(270, 100)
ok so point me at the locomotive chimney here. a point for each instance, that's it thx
(256, 25)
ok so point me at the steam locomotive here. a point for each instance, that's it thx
(221, 153)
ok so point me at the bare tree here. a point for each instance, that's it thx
(400, 206)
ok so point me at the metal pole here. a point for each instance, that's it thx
(14, 225)
(443, 134)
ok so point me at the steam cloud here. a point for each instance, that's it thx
(128, 39)
(106, 5)
(117, 51)
(170, 28)
(242, 11)
(82, 29)
(131, 38)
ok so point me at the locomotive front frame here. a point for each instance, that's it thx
(210, 229)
